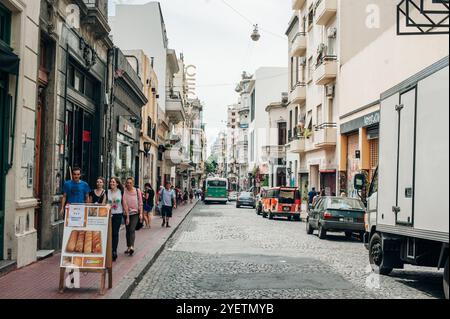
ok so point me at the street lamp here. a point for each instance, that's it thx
(147, 148)
(255, 35)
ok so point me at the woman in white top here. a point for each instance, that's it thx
(115, 200)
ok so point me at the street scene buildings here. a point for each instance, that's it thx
(342, 136)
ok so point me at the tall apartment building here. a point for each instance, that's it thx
(19, 34)
(313, 71)
(373, 60)
(244, 90)
(232, 139)
(146, 24)
(267, 86)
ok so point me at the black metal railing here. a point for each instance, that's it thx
(298, 34)
(324, 126)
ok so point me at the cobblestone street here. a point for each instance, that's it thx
(223, 252)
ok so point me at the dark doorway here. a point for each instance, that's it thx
(282, 134)
(328, 182)
(4, 106)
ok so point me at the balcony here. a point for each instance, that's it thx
(325, 10)
(274, 152)
(298, 94)
(243, 110)
(298, 145)
(326, 72)
(325, 135)
(173, 156)
(297, 4)
(97, 17)
(299, 45)
(174, 107)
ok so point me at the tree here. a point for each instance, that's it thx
(211, 164)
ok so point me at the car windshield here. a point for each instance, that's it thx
(345, 203)
(246, 195)
(287, 197)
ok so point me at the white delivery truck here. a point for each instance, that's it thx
(407, 218)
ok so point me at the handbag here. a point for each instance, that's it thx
(140, 222)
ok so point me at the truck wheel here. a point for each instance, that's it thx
(309, 229)
(297, 218)
(376, 256)
(446, 280)
(322, 232)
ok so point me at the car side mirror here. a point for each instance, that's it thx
(360, 181)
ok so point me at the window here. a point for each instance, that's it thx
(252, 146)
(310, 69)
(292, 74)
(319, 115)
(5, 25)
(253, 105)
(296, 116)
(82, 83)
(78, 141)
(311, 16)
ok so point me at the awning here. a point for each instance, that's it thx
(9, 62)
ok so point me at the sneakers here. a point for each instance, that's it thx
(168, 226)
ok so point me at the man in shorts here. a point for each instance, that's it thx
(167, 197)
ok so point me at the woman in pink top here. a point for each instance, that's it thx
(133, 206)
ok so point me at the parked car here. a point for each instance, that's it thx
(337, 214)
(282, 201)
(232, 197)
(246, 199)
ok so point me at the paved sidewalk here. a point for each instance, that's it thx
(41, 279)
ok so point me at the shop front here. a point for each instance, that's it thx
(359, 150)
(125, 150)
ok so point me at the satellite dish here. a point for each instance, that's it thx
(255, 35)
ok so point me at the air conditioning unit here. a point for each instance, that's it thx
(332, 33)
(330, 90)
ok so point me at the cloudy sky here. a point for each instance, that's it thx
(214, 35)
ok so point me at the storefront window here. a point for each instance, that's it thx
(123, 168)
(5, 25)
(78, 141)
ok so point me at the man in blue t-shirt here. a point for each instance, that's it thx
(75, 191)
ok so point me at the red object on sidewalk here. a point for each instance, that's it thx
(41, 279)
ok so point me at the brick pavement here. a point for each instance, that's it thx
(41, 279)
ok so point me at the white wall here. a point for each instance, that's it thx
(384, 63)
(140, 27)
(270, 83)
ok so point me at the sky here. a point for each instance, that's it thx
(216, 39)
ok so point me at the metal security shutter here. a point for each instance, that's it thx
(352, 162)
(373, 132)
(374, 147)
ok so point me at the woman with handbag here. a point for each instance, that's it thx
(114, 197)
(133, 206)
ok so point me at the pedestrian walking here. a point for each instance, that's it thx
(149, 203)
(98, 195)
(185, 197)
(75, 191)
(191, 196)
(311, 195)
(167, 198)
(133, 206)
(114, 197)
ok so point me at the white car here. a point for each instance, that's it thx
(232, 197)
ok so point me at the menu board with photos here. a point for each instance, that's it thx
(85, 237)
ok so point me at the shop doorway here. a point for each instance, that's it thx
(3, 151)
(328, 183)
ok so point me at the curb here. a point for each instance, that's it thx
(124, 290)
